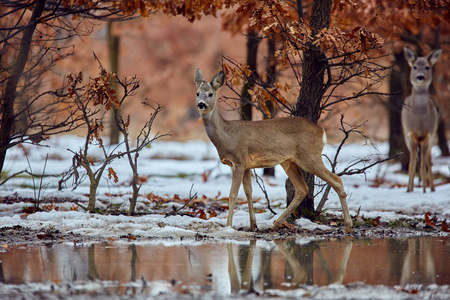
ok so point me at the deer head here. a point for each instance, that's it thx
(421, 74)
(207, 91)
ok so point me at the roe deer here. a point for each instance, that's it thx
(420, 117)
(292, 142)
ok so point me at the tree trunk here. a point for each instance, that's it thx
(10, 92)
(442, 139)
(271, 78)
(113, 46)
(92, 269)
(252, 51)
(396, 139)
(92, 194)
(136, 189)
(310, 97)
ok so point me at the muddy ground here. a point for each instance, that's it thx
(18, 235)
(101, 290)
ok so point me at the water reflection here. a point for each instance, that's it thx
(232, 267)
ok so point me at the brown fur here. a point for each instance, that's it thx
(420, 117)
(292, 142)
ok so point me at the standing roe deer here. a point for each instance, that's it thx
(292, 142)
(420, 117)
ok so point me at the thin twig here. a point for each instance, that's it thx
(176, 212)
(348, 170)
(82, 206)
(263, 189)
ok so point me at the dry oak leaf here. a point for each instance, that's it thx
(111, 174)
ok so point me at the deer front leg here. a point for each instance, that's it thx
(426, 148)
(423, 171)
(430, 171)
(238, 173)
(412, 148)
(247, 182)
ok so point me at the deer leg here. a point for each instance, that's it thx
(423, 173)
(232, 270)
(301, 190)
(335, 182)
(238, 173)
(430, 171)
(426, 157)
(411, 144)
(247, 182)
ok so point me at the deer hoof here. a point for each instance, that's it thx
(349, 229)
(285, 224)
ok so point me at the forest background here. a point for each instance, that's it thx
(267, 44)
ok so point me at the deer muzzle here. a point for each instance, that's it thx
(201, 105)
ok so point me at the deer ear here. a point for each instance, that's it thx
(218, 81)
(198, 78)
(410, 56)
(434, 56)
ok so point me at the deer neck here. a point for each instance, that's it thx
(420, 100)
(420, 90)
(420, 95)
(214, 125)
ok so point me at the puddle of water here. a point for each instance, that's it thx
(226, 268)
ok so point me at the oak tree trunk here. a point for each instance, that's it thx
(271, 70)
(252, 50)
(310, 97)
(395, 104)
(113, 46)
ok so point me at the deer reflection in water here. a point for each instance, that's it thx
(298, 266)
(418, 265)
(254, 266)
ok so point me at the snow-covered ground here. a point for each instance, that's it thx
(175, 171)
(173, 168)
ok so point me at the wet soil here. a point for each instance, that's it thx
(22, 235)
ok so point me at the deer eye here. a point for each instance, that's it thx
(210, 95)
(427, 68)
(415, 68)
(198, 94)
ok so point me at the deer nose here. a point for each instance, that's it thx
(420, 78)
(201, 105)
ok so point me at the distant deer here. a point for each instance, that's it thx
(420, 117)
(292, 142)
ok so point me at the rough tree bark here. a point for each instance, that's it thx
(396, 87)
(113, 46)
(10, 92)
(252, 50)
(312, 90)
(271, 70)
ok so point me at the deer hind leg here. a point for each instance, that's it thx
(411, 144)
(335, 182)
(301, 190)
(238, 173)
(247, 182)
